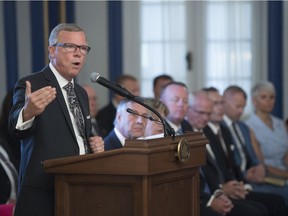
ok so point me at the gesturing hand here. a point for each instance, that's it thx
(36, 102)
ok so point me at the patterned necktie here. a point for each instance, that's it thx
(77, 113)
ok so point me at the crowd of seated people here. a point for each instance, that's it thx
(237, 161)
(242, 157)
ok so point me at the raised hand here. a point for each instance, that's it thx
(36, 102)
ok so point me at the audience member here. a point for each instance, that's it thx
(107, 114)
(199, 110)
(252, 170)
(211, 202)
(8, 173)
(13, 143)
(269, 130)
(175, 96)
(220, 148)
(234, 104)
(270, 133)
(9, 150)
(130, 123)
(50, 119)
(159, 82)
(156, 127)
(93, 107)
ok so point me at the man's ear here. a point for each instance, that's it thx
(51, 50)
(118, 117)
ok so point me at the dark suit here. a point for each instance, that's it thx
(186, 127)
(250, 156)
(230, 171)
(105, 119)
(51, 136)
(112, 141)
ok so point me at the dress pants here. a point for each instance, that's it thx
(241, 208)
(274, 203)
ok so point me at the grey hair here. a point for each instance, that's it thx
(265, 85)
(70, 27)
(196, 96)
(122, 106)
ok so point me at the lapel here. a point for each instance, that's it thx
(186, 127)
(115, 141)
(52, 81)
(111, 141)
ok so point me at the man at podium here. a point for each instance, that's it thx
(50, 115)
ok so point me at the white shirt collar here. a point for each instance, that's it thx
(61, 80)
(119, 136)
(174, 126)
(214, 127)
(227, 120)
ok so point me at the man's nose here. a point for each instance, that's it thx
(140, 119)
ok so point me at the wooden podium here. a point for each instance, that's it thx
(145, 178)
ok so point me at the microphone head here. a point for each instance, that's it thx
(94, 77)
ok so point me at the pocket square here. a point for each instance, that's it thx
(88, 117)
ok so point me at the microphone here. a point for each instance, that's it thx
(117, 89)
(120, 90)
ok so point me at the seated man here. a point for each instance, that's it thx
(175, 96)
(159, 82)
(252, 169)
(130, 123)
(107, 114)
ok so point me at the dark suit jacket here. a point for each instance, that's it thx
(186, 127)
(112, 141)
(105, 119)
(248, 148)
(51, 136)
(226, 163)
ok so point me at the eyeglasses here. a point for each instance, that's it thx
(70, 47)
(202, 113)
(145, 116)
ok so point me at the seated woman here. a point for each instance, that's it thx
(270, 133)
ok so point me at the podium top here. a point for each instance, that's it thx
(137, 157)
